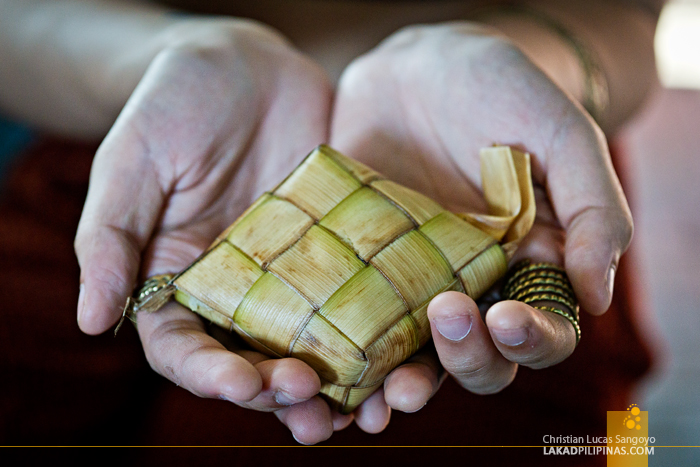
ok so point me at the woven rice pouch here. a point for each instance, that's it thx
(336, 266)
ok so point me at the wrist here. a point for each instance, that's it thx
(182, 34)
(563, 56)
(558, 60)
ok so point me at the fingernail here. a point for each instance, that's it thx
(510, 337)
(81, 301)
(282, 398)
(610, 283)
(454, 328)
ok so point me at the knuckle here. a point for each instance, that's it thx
(480, 376)
(485, 379)
(627, 229)
(467, 369)
(108, 278)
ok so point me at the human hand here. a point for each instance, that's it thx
(211, 125)
(418, 108)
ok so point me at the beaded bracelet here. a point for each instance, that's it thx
(532, 283)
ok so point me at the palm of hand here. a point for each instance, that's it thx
(235, 136)
(204, 133)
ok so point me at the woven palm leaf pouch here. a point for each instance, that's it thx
(336, 266)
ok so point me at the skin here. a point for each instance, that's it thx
(411, 117)
(411, 112)
(203, 128)
(204, 163)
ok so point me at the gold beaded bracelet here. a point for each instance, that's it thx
(532, 283)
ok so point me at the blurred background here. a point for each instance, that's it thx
(662, 162)
(661, 170)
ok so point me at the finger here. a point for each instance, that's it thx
(546, 239)
(595, 241)
(373, 415)
(114, 229)
(285, 382)
(589, 202)
(409, 387)
(340, 421)
(464, 345)
(178, 348)
(523, 334)
(310, 422)
(528, 336)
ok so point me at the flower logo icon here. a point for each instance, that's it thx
(631, 421)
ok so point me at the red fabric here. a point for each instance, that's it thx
(62, 387)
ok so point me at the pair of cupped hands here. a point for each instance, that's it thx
(214, 124)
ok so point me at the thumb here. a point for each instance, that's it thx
(596, 238)
(122, 207)
(588, 200)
